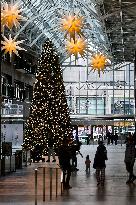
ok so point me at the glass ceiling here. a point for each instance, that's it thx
(44, 17)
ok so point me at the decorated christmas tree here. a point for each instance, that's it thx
(49, 116)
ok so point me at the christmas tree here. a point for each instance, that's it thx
(49, 116)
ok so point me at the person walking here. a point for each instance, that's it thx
(75, 150)
(116, 138)
(99, 163)
(88, 140)
(51, 150)
(87, 162)
(130, 158)
(112, 138)
(64, 155)
(108, 136)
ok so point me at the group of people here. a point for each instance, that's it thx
(67, 154)
(111, 138)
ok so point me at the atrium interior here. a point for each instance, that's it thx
(95, 42)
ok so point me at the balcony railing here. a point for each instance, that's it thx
(12, 110)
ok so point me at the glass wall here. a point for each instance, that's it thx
(121, 106)
(110, 93)
(90, 105)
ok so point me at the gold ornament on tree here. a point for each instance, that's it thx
(76, 47)
(98, 63)
(11, 45)
(10, 15)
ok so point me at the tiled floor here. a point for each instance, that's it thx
(18, 188)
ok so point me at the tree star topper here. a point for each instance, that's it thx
(10, 15)
(11, 46)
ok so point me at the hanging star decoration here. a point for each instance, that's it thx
(11, 45)
(76, 47)
(10, 15)
(72, 24)
(98, 63)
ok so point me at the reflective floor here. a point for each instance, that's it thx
(18, 188)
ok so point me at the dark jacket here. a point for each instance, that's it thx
(100, 157)
(64, 156)
(130, 153)
(50, 142)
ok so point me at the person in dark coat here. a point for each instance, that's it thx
(116, 138)
(51, 150)
(88, 140)
(134, 137)
(75, 149)
(112, 138)
(130, 158)
(64, 156)
(99, 163)
(108, 135)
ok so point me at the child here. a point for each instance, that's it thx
(87, 162)
(99, 163)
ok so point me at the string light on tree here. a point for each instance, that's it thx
(10, 15)
(98, 62)
(49, 117)
(11, 45)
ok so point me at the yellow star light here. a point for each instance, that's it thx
(10, 15)
(10, 45)
(72, 24)
(77, 47)
(98, 62)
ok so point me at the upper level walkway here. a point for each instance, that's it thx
(18, 188)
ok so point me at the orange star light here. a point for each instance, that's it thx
(98, 62)
(11, 46)
(77, 47)
(10, 15)
(72, 25)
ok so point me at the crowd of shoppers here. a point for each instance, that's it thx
(68, 159)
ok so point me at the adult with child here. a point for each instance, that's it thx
(99, 163)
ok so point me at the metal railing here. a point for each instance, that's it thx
(54, 175)
(12, 110)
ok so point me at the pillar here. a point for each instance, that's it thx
(135, 89)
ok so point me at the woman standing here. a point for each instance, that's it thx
(99, 163)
